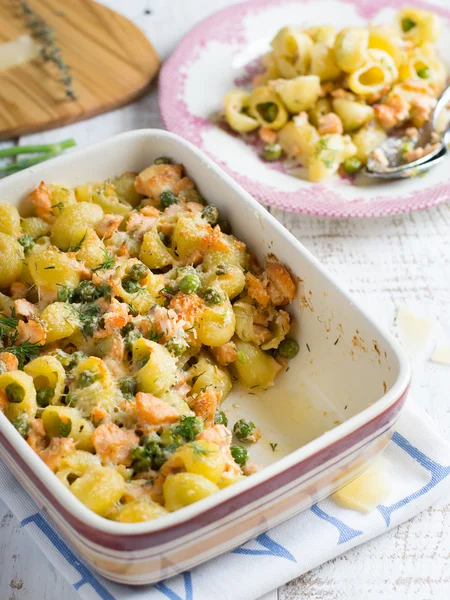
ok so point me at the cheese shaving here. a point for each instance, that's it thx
(17, 52)
(366, 491)
(441, 354)
(414, 331)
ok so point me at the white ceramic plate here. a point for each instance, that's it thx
(221, 52)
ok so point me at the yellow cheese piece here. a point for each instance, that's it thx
(366, 491)
(18, 51)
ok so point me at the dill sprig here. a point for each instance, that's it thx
(24, 352)
(80, 243)
(8, 328)
(108, 263)
(50, 51)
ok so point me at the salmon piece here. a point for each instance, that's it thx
(412, 132)
(225, 354)
(115, 318)
(154, 411)
(108, 225)
(421, 108)
(150, 211)
(256, 290)
(416, 153)
(183, 185)
(46, 295)
(193, 207)
(394, 112)
(279, 284)
(217, 240)
(18, 290)
(10, 361)
(56, 451)
(114, 444)
(98, 414)
(156, 179)
(139, 222)
(250, 468)
(268, 136)
(218, 434)
(330, 123)
(379, 155)
(32, 332)
(187, 306)
(205, 405)
(37, 438)
(42, 200)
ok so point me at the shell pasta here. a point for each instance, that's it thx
(121, 334)
(327, 98)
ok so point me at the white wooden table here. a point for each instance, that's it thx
(386, 262)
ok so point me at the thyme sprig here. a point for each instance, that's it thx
(51, 52)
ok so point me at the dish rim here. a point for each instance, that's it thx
(340, 208)
(62, 494)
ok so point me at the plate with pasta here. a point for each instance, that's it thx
(297, 102)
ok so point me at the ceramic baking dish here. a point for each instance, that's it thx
(323, 421)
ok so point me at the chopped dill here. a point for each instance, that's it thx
(309, 349)
(108, 263)
(80, 243)
(24, 352)
(273, 446)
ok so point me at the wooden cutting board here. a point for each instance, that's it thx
(112, 63)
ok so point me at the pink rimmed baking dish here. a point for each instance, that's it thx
(325, 419)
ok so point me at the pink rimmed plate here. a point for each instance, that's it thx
(223, 51)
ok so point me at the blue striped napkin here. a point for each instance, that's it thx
(417, 459)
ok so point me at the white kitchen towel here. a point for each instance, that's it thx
(417, 459)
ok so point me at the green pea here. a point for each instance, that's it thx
(167, 198)
(131, 286)
(138, 272)
(222, 269)
(288, 348)
(127, 328)
(407, 24)
(211, 214)
(27, 242)
(15, 393)
(44, 395)
(164, 238)
(71, 399)
(131, 338)
(272, 152)
(220, 418)
(66, 293)
(162, 160)
(423, 73)
(244, 430)
(176, 347)
(225, 227)
(64, 427)
(22, 425)
(406, 147)
(352, 165)
(189, 284)
(239, 454)
(212, 297)
(87, 378)
(268, 111)
(87, 292)
(128, 386)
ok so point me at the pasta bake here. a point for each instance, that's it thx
(128, 311)
(328, 98)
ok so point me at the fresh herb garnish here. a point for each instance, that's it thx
(108, 263)
(24, 352)
(78, 246)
